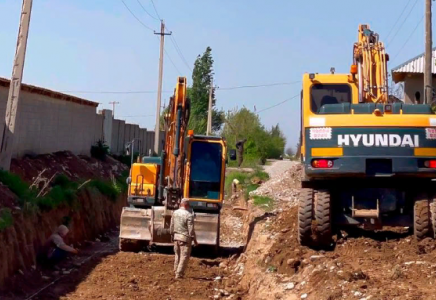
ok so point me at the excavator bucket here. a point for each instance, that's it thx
(207, 228)
(135, 224)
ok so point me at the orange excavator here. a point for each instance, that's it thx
(190, 166)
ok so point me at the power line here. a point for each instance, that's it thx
(137, 19)
(404, 21)
(280, 103)
(179, 51)
(396, 22)
(259, 85)
(411, 34)
(153, 92)
(166, 53)
(154, 6)
(115, 92)
(147, 11)
(136, 116)
(174, 42)
(171, 61)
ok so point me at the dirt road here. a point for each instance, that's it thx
(362, 265)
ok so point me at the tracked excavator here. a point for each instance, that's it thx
(368, 162)
(190, 166)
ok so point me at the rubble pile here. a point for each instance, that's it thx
(284, 187)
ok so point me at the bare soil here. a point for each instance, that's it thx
(362, 265)
(388, 264)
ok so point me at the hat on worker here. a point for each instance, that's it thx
(184, 201)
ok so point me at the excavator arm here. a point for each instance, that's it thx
(370, 60)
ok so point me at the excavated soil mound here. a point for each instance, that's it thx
(65, 162)
(363, 265)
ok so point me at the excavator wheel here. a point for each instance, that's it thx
(421, 217)
(433, 217)
(323, 217)
(305, 216)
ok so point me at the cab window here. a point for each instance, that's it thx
(206, 168)
(327, 94)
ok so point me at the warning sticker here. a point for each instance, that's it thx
(430, 133)
(323, 133)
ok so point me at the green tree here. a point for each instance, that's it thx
(199, 94)
(261, 143)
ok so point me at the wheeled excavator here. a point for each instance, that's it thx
(190, 166)
(368, 162)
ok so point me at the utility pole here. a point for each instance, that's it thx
(209, 111)
(113, 108)
(7, 142)
(159, 87)
(428, 85)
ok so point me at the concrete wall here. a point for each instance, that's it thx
(45, 125)
(413, 84)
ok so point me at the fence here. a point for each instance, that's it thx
(49, 121)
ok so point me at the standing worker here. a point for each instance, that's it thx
(240, 148)
(182, 231)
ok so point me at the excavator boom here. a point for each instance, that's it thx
(190, 166)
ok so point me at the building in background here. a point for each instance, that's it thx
(411, 74)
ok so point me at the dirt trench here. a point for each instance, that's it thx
(362, 265)
(383, 265)
(90, 216)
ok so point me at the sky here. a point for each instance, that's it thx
(98, 46)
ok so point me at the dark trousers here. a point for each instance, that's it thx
(240, 159)
(57, 256)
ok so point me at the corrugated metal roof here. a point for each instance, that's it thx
(53, 94)
(415, 65)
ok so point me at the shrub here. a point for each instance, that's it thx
(99, 150)
(18, 187)
(6, 219)
(106, 188)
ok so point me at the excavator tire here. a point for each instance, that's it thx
(433, 218)
(305, 216)
(421, 218)
(323, 217)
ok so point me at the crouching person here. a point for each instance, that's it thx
(57, 249)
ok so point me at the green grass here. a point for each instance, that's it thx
(261, 174)
(63, 191)
(240, 176)
(18, 187)
(266, 202)
(248, 162)
(106, 188)
(250, 188)
(6, 219)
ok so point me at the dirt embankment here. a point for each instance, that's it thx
(91, 215)
(363, 265)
